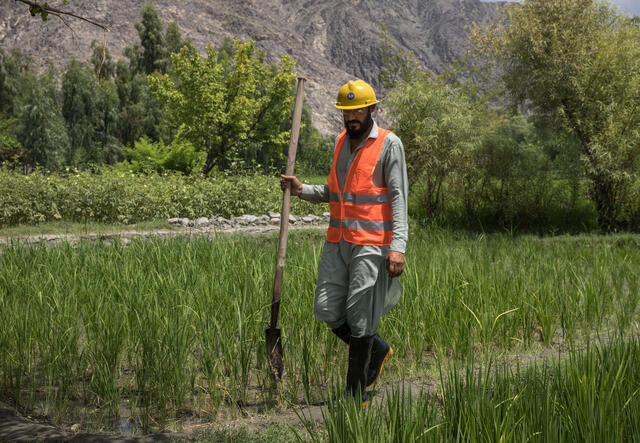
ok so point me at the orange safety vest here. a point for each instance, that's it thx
(362, 213)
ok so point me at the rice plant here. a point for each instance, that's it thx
(175, 327)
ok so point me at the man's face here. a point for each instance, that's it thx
(357, 121)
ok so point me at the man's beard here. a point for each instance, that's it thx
(364, 127)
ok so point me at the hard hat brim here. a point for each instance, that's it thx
(356, 106)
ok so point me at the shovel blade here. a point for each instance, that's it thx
(274, 353)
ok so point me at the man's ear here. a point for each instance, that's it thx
(372, 108)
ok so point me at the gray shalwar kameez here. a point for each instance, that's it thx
(353, 285)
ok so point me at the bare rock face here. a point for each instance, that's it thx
(333, 41)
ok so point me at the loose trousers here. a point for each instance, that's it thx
(353, 287)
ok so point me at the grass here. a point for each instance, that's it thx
(591, 396)
(280, 433)
(175, 327)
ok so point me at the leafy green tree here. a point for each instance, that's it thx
(41, 129)
(173, 39)
(154, 52)
(11, 150)
(398, 64)
(107, 104)
(227, 106)
(101, 60)
(13, 66)
(577, 62)
(90, 109)
(437, 125)
(80, 112)
(315, 151)
(140, 114)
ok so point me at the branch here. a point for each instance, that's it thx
(46, 9)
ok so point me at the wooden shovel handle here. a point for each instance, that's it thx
(286, 203)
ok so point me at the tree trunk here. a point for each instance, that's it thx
(208, 164)
(602, 191)
(604, 198)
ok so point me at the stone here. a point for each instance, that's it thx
(201, 222)
(251, 219)
(293, 219)
(273, 214)
(308, 219)
(239, 221)
(175, 221)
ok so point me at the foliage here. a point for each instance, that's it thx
(398, 64)
(11, 150)
(153, 56)
(437, 126)
(13, 66)
(315, 151)
(140, 114)
(228, 106)
(148, 156)
(41, 129)
(89, 107)
(173, 39)
(578, 62)
(114, 195)
(101, 60)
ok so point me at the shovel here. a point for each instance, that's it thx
(274, 339)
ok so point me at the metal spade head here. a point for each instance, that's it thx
(274, 353)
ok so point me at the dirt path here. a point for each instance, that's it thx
(127, 236)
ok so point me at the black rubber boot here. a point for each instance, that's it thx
(343, 332)
(359, 356)
(380, 352)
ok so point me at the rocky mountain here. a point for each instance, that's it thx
(333, 41)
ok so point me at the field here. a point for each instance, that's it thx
(172, 331)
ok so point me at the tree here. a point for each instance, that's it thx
(11, 150)
(398, 64)
(437, 126)
(80, 112)
(41, 130)
(154, 53)
(173, 38)
(90, 110)
(13, 66)
(140, 114)
(101, 60)
(224, 106)
(577, 62)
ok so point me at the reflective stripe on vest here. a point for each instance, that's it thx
(362, 213)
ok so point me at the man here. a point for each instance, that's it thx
(364, 251)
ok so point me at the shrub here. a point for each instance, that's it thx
(116, 196)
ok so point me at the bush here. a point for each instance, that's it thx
(116, 196)
(149, 156)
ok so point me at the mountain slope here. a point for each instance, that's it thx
(332, 40)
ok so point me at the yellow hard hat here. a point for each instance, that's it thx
(356, 95)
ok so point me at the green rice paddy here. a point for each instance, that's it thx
(164, 330)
